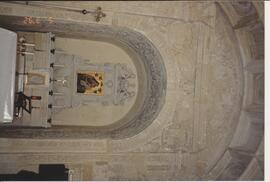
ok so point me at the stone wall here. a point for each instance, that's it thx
(213, 62)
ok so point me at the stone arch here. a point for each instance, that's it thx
(245, 154)
(146, 57)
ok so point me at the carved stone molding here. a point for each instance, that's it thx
(148, 58)
(250, 131)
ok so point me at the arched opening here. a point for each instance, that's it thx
(151, 88)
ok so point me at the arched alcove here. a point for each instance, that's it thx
(146, 58)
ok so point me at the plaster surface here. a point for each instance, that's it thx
(190, 138)
(95, 113)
